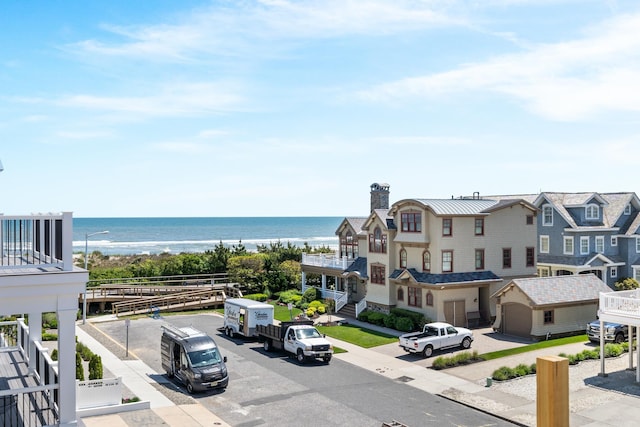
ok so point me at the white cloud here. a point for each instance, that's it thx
(563, 81)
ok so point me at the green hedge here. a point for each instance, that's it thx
(399, 319)
(257, 297)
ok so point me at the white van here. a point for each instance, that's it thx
(193, 358)
(241, 316)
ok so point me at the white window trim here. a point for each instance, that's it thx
(638, 245)
(627, 209)
(566, 240)
(636, 273)
(542, 250)
(614, 272)
(589, 208)
(547, 224)
(583, 250)
(614, 240)
(601, 240)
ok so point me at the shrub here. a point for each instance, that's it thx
(310, 312)
(310, 295)
(439, 363)
(85, 352)
(503, 373)
(612, 350)
(321, 309)
(291, 296)
(390, 321)
(54, 354)
(533, 368)
(377, 318)
(417, 319)
(49, 321)
(404, 324)
(46, 336)
(257, 297)
(79, 368)
(95, 367)
(521, 370)
(364, 316)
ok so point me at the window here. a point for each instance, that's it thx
(627, 210)
(479, 229)
(547, 215)
(506, 258)
(638, 244)
(592, 212)
(426, 261)
(415, 297)
(531, 257)
(568, 245)
(447, 227)
(411, 222)
(543, 272)
(403, 258)
(378, 241)
(377, 274)
(529, 219)
(584, 245)
(614, 272)
(548, 317)
(600, 244)
(479, 259)
(614, 240)
(636, 274)
(429, 299)
(447, 261)
(348, 246)
(400, 294)
(544, 244)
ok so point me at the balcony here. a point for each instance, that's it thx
(621, 307)
(327, 261)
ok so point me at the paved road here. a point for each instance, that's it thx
(272, 389)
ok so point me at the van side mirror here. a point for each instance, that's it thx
(224, 359)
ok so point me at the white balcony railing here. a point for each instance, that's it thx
(40, 240)
(626, 303)
(327, 261)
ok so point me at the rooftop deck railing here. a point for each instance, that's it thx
(327, 260)
(40, 240)
(621, 302)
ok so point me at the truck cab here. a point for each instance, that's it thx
(613, 332)
(193, 358)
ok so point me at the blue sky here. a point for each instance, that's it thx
(294, 108)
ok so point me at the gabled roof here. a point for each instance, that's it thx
(633, 226)
(558, 289)
(579, 261)
(383, 215)
(355, 223)
(445, 278)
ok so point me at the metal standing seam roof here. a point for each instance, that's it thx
(457, 206)
(560, 289)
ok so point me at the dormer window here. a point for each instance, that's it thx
(592, 212)
(627, 210)
(411, 222)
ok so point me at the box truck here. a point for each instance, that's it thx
(241, 316)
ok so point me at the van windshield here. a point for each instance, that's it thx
(206, 357)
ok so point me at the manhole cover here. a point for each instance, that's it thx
(404, 379)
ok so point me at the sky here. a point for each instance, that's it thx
(194, 108)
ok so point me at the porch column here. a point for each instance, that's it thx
(637, 357)
(67, 367)
(630, 341)
(602, 373)
(35, 335)
(304, 282)
(324, 284)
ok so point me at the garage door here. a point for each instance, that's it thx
(517, 320)
(454, 313)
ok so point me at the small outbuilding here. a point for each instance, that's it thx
(545, 307)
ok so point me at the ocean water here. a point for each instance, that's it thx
(129, 236)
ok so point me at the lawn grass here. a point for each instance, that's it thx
(281, 312)
(357, 335)
(532, 347)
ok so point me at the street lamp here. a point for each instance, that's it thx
(86, 262)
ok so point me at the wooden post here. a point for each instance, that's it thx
(552, 403)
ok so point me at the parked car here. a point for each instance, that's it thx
(613, 332)
(435, 336)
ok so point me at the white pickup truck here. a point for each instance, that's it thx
(299, 338)
(435, 336)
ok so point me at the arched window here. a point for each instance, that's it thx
(348, 246)
(403, 258)
(400, 294)
(378, 241)
(429, 299)
(426, 261)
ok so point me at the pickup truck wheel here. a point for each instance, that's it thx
(428, 351)
(466, 343)
(619, 338)
(326, 359)
(266, 345)
(300, 356)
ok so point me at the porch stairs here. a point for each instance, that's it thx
(349, 310)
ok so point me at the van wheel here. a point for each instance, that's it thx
(189, 387)
(300, 356)
(266, 345)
